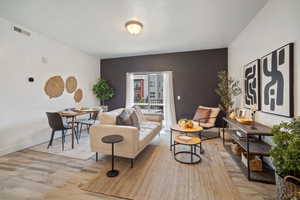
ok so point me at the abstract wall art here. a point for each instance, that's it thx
(252, 84)
(277, 82)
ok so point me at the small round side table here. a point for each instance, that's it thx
(194, 140)
(112, 139)
(196, 129)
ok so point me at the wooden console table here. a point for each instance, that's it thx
(252, 144)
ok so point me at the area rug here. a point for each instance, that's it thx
(156, 175)
(80, 151)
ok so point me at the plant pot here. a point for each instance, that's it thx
(286, 190)
(104, 108)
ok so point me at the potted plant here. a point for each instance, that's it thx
(227, 88)
(286, 158)
(103, 91)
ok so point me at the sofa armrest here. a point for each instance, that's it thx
(126, 148)
(153, 117)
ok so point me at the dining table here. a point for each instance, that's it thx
(72, 114)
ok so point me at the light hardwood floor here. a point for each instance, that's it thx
(34, 175)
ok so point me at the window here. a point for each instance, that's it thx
(148, 91)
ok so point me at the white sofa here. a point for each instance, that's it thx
(134, 140)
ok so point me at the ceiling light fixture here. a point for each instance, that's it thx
(134, 27)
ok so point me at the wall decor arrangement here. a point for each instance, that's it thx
(252, 84)
(71, 84)
(54, 87)
(268, 82)
(277, 82)
(78, 95)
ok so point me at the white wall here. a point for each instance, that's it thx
(23, 105)
(277, 24)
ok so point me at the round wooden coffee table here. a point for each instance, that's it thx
(192, 142)
(195, 130)
(112, 139)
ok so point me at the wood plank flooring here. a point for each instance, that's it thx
(36, 175)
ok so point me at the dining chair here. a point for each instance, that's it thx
(56, 124)
(88, 122)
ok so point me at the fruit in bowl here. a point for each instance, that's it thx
(185, 123)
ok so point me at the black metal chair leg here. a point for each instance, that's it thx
(96, 156)
(80, 130)
(63, 139)
(77, 127)
(76, 136)
(51, 139)
(88, 128)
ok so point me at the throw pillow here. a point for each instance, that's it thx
(128, 118)
(135, 120)
(124, 118)
(213, 115)
(139, 114)
(202, 115)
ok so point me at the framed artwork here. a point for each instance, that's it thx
(277, 95)
(251, 78)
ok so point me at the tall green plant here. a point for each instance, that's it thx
(103, 90)
(226, 89)
(286, 151)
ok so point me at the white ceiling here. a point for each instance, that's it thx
(97, 26)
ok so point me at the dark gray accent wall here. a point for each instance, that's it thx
(194, 76)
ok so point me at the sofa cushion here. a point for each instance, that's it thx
(147, 132)
(128, 118)
(150, 124)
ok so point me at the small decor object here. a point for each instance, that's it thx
(185, 123)
(103, 91)
(244, 120)
(236, 149)
(232, 115)
(226, 89)
(255, 163)
(54, 87)
(71, 84)
(78, 95)
(252, 84)
(286, 158)
(242, 117)
(277, 82)
(253, 111)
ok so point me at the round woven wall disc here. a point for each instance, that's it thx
(71, 84)
(78, 95)
(54, 87)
